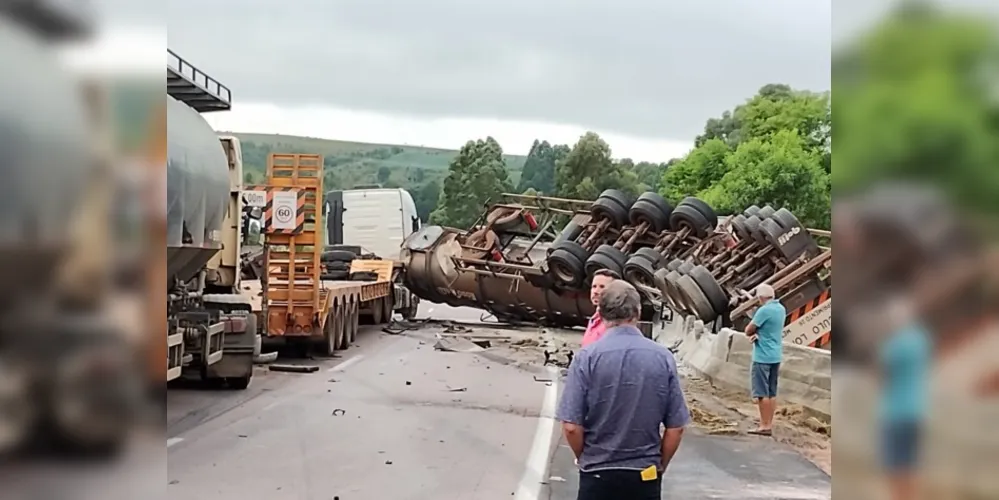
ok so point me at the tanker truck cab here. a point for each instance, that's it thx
(378, 220)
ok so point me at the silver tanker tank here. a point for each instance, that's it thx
(46, 159)
(197, 191)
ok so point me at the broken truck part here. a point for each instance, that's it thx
(531, 258)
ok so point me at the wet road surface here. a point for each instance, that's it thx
(392, 418)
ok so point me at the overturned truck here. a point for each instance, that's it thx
(531, 258)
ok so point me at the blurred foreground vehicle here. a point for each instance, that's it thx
(68, 374)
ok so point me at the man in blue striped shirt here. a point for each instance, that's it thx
(621, 390)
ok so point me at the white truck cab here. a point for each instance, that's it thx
(378, 220)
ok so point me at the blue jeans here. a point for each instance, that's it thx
(900, 445)
(764, 379)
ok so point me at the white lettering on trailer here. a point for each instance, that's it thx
(255, 198)
(811, 326)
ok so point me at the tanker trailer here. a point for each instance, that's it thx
(211, 330)
(67, 373)
(532, 259)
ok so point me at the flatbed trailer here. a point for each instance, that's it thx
(292, 300)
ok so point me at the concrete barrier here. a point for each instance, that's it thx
(725, 359)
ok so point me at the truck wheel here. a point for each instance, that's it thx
(386, 306)
(606, 257)
(699, 304)
(638, 270)
(651, 208)
(329, 335)
(712, 290)
(376, 311)
(239, 383)
(409, 314)
(686, 216)
(355, 314)
(341, 327)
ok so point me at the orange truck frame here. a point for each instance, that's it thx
(295, 303)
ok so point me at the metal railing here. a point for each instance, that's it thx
(195, 76)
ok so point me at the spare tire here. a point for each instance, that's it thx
(337, 265)
(337, 255)
(335, 275)
(364, 276)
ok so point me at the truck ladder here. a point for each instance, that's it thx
(293, 214)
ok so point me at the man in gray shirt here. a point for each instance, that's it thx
(620, 391)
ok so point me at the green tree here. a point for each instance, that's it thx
(425, 198)
(588, 169)
(697, 171)
(383, 174)
(780, 170)
(730, 167)
(539, 167)
(475, 176)
(918, 99)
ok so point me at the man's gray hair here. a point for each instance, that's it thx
(620, 303)
(765, 291)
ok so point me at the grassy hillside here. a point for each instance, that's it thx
(419, 170)
(356, 163)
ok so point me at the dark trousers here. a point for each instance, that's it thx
(618, 485)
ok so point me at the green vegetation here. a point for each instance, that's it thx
(773, 149)
(475, 175)
(419, 170)
(918, 100)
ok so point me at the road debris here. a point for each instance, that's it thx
(339, 412)
(293, 368)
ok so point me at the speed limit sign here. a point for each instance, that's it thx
(285, 206)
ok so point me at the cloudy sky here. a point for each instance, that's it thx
(645, 74)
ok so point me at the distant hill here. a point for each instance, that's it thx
(360, 162)
(419, 170)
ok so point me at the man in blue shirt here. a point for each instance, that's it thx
(766, 332)
(906, 357)
(619, 392)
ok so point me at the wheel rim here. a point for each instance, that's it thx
(562, 272)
